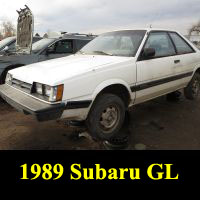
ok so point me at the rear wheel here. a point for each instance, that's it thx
(192, 91)
(106, 117)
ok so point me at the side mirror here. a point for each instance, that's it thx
(149, 53)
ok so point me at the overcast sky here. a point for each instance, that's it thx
(99, 16)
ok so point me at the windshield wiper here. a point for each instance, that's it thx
(104, 53)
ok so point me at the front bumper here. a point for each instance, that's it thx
(28, 105)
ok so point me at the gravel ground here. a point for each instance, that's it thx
(157, 124)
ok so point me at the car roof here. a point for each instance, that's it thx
(159, 29)
(13, 37)
(144, 29)
(74, 36)
(39, 37)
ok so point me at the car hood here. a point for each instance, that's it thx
(56, 71)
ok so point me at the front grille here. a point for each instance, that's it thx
(26, 87)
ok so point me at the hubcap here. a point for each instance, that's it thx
(109, 118)
(196, 87)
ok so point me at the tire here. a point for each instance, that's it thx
(106, 117)
(122, 141)
(192, 91)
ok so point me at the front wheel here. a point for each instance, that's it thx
(106, 117)
(193, 89)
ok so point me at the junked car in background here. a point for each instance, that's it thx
(45, 49)
(8, 45)
(111, 73)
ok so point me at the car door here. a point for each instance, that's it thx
(155, 75)
(59, 49)
(186, 55)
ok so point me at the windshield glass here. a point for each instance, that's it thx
(119, 43)
(38, 46)
(6, 41)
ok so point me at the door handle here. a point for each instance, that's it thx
(177, 61)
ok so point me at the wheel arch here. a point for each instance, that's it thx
(114, 86)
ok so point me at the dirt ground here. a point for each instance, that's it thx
(158, 124)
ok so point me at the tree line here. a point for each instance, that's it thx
(7, 29)
(195, 29)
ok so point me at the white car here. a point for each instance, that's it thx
(111, 73)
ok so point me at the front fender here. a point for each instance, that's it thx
(110, 82)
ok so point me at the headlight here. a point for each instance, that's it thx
(39, 89)
(47, 90)
(9, 78)
(50, 93)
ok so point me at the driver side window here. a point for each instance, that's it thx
(61, 47)
(162, 44)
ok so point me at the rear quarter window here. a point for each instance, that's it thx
(181, 45)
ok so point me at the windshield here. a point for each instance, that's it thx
(6, 41)
(119, 43)
(38, 46)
